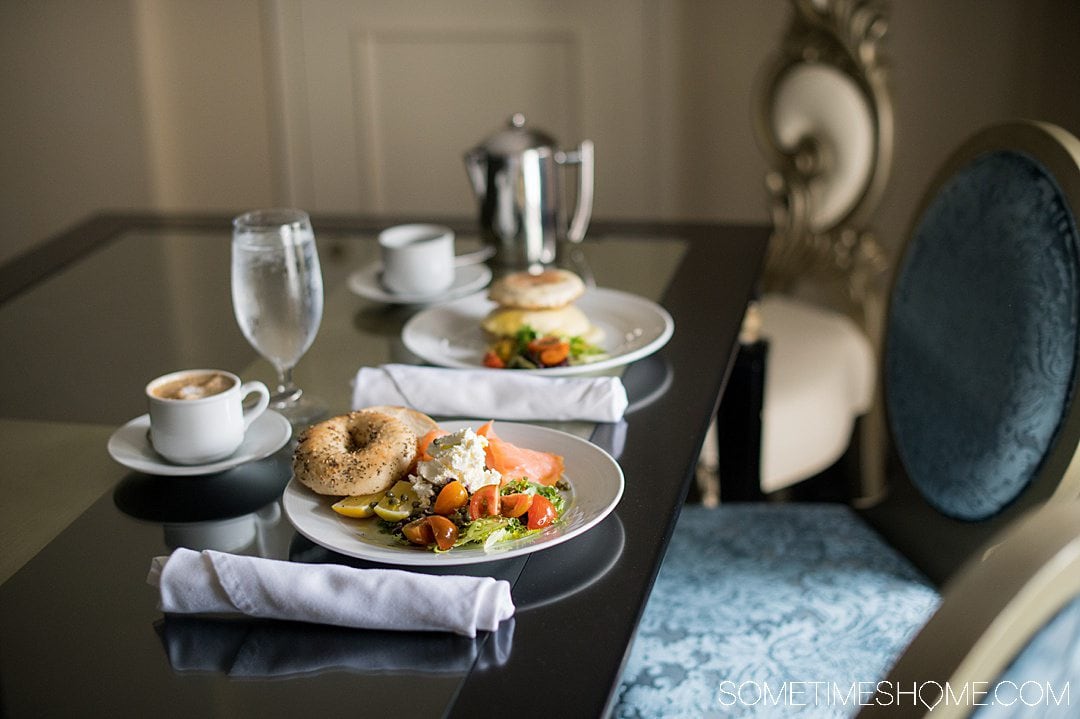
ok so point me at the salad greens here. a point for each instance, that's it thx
(489, 530)
(550, 493)
(530, 350)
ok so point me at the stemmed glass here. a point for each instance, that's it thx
(277, 294)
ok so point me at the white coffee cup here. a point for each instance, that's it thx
(417, 259)
(197, 416)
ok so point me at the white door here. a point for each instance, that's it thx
(382, 99)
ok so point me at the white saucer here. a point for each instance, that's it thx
(467, 279)
(130, 446)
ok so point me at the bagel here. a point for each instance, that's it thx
(544, 290)
(362, 452)
(418, 422)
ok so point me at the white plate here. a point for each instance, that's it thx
(130, 446)
(450, 335)
(467, 279)
(596, 485)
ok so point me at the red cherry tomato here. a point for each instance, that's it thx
(484, 502)
(494, 361)
(515, 505)
(550, 351)
(541, 513)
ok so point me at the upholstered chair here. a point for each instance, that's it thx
(1007, 632)
(977, 389)
(824, 121)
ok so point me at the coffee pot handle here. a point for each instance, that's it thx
(583, 157)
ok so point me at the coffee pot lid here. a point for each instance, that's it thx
(516, 138)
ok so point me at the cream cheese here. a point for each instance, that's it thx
(457, 456)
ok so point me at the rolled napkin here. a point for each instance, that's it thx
(491, 394)
(211, 582)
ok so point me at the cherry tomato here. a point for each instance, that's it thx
(541, 513)
(451, 496)
(436, 530)
(445, 531)
(515, 505)
(419, 532)
(484, 502)
(494, 361)
(550, 351)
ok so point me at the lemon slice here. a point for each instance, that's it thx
(397, 503)
(358, 505)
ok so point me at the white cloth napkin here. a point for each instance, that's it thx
(491, 394)
(211, 582)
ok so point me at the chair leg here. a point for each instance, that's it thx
(707, 474)
(738, 426)
(871, 486)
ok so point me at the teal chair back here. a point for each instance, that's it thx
(980, 359)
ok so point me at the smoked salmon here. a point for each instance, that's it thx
(424, 442)
(514, 462)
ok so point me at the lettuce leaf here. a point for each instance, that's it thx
(489, 531)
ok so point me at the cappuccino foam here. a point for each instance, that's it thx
(194, 386)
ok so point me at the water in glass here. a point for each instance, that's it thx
(277, 290)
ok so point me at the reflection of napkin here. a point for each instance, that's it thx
(210, 582)
(492, 394)
(250, 649)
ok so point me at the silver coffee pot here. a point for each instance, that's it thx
(515, 174)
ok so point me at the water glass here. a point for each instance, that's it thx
(277, 293)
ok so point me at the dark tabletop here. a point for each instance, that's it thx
(90, 317)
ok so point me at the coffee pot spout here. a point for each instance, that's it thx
(476, 167)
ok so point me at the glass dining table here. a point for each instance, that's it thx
(91, 316)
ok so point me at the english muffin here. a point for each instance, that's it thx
(545, 290)
(536, 324)
(566, 321)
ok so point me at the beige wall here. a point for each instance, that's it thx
(963, 64)
(71, 129)
(200, 104)
(129, 104)
(206, 111)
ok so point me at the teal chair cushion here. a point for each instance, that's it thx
(756, 594)
(982, 335)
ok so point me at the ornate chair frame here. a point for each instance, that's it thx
(840, 258)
